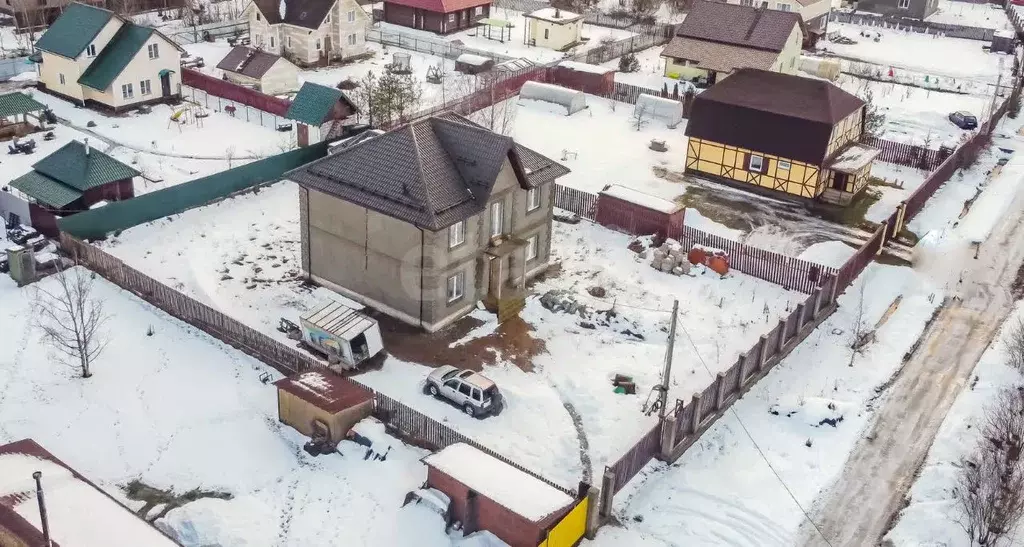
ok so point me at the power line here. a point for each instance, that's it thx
(756, 446)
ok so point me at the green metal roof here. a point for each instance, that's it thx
(16, 103)
(122, 48)
(45, 190)
(71, 166)
(313, 103)
(74, 30)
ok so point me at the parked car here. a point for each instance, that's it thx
(964, 120)
(475, 394)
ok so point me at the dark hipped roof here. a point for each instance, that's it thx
(431, 173)
(247, 61)
(303, 13)
(74, 30)
(774, 113)
(120, 51)
(756, 28)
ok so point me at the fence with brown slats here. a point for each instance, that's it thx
(907, 155)
(627, 466)
(234, 92)
(578, 202)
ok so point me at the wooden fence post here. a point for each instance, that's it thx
(762, 352)
(742, 360)
(720, 392)
(593, 512)
(782, 334)
(607, 492)
(817, 302)
(668, 435)
(695, 417)
(799, 317)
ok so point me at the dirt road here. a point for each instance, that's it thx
(861, 505)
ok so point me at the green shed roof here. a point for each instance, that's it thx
(313, 103)
(16, 103)
(45, 190)
(74, 30)
(122, 48)
(71, 166)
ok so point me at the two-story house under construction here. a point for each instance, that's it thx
(308, 32)
(426, 220)
(93, 56)
(778, 132)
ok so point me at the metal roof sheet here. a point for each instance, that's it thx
(12, 104)
(74, 167)
(340, 320)
(113, 59)
(74, 30)
(45, 190)
(313, 103)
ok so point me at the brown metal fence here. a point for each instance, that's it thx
(234, 92)
(578, 202)
(905, 154)
(626, 467)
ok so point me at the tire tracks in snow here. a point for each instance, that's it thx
(117, 144)
(581, 434)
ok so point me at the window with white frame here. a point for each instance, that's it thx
(318, 44)
(127, 92)
(257, 15)
(748, 3)
(756, 163)
(288, 41)
(497, 222)
(451, 17)
(145, 88)
(546, 31)
(154, 51)
(61, 76)
(479, 10)
(785, 165)
(271, 41)
(352, 16)
(904, 4)
(90, 51)
(532, 199)
(456, 234)
(783, 7)
(531, 248)
(456, 286)
(257, 40)
(352, 39)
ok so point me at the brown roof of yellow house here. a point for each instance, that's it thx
(717, 56)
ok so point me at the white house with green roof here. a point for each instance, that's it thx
(93, 56)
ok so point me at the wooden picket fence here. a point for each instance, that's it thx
(578, 202)
(907, 155)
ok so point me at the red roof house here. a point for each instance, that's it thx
(440, 16)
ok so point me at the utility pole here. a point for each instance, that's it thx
(667, 374)
(995, 96)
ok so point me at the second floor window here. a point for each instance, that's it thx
(352, 16)
(257, 16)
(904, 4)
(456, 234)
(91, 50)
(154, 51)
(533, 199)
(783, 7)
(497, 222)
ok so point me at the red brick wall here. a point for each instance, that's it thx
(511, 528)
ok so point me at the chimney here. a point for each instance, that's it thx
(87, 146)
(38, 475)
(558, 13)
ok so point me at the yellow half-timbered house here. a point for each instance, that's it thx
(782, 133)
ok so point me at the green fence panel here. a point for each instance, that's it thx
(120, 215)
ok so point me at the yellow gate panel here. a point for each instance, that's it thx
(570, 529)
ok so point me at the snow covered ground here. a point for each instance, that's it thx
(931, 516)
(898, 182)
(179, 410)
(971, 15)
(241, 256)
(651, 73)
(513, 45)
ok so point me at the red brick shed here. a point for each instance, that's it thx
(623, 208)
(592, 79)
(489, 494)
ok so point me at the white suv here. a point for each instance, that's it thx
(475, 394)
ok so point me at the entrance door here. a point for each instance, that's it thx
(165, 84)
(327, 48)
(839, 182)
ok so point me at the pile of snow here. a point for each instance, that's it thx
(828, 253)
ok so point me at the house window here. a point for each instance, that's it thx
(531, 248)
(145, 88)
(257, 39)
(904, 4)
(451, 17)
(352, 16)
(61, 79)
(90, 51)
(154, 51)
(546, 33)
(257, 16)
(318, 44)
(496, 219)
(533, 199)
(756, 163)
(785, 165)
(748, 3)
(479, 10)
(288, 41)
(351, 39)
(783, 7)
(126, 91)
(271, 41)
(456, 286)
(456, 234)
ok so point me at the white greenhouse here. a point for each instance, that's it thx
(653, 107)
(572, 100)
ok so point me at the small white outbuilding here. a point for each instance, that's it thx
(572, 100)
(653, 107)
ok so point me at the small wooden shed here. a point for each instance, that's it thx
(467, 63)
(322, 402)
(265, 72)
(592, 79)
(489, 494)
(636, 212)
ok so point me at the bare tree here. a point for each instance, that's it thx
(1014, 345)
(500, 115)
(990, 485)
(639, 116)
(72, 318)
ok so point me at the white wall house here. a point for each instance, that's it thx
(91, 55)
(259, 70)
(553, 28)
(308, 32)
